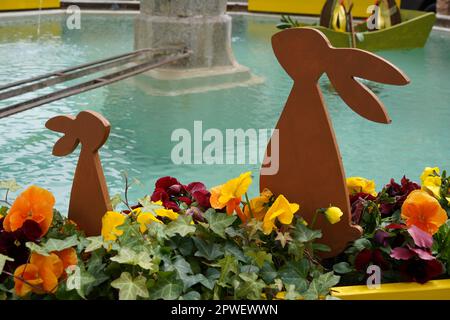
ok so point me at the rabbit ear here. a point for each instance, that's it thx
(66, 144)
(358, 97)
(60, 123)
(362, 64)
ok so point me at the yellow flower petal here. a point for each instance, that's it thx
(172, 215)
(429, 172)
(359, 184)
(282, 210)
(110, 221)
(146, 218)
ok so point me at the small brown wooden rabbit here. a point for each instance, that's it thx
(310, 166)
(89, 199)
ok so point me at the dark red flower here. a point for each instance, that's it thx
(166, 182)
(202, 197)
(12, 244)
(195, 186)
(160, 195)
(421, 271)
(399, 193)
(367, 257)
(358, 202)
(186, 200)
(171, 205)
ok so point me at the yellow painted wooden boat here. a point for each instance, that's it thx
(413, 32)
(432, 290)
(9, 5)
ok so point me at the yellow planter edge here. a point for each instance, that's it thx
(432, 290)
(28, 4)
(306, 6)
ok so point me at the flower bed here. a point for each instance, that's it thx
(187, 242)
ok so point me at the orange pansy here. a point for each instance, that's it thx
(33, 204)
(423, 211)
(50, 269)
(68, 257)
(26, 279)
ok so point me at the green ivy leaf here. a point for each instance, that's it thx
(228, 265)
(167, 287)
(321, 286)
(295, 273)
(79, 279)
(142, 259)
(218, 222)
(181, 226)
(258, 256)
(53, 245)
(3, 260)
(303, 234)
(268, 272)
(191, 295)
(115, 201)
(209, 251)
(34, 247)
(148, 205)
(250, 287)
(129, 288)
(131, 236)
(10, 185)
(342, 268)
(59, 245)
(95, 243)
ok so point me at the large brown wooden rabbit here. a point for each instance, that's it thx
(89, 199)
(310, 166)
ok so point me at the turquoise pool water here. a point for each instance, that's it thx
(140, 143)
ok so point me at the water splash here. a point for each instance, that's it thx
(39, 18)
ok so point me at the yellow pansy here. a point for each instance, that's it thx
(430, 177)
(359, 184)
(281, 210)
(146, 218)
(258, 205)
(229, 194)
(333, 214)
(431, 181)
(169, 213)
(110, 221)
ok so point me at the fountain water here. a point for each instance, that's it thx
(202, 26)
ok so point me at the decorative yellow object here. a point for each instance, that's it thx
(28, 4)
(110, 221)
(339, 20)
(312, 7)
(432, 290)
(281, 210)
(333, 214)
(358, 184)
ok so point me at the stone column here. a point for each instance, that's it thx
(203, 27)
(443, 7)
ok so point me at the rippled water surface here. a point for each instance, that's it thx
(142, 125)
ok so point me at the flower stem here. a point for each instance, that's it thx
(248, 204)
(314, 219)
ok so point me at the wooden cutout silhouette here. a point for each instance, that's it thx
(310, 166)
(89, 199)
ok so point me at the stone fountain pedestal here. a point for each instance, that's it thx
(204, 28)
